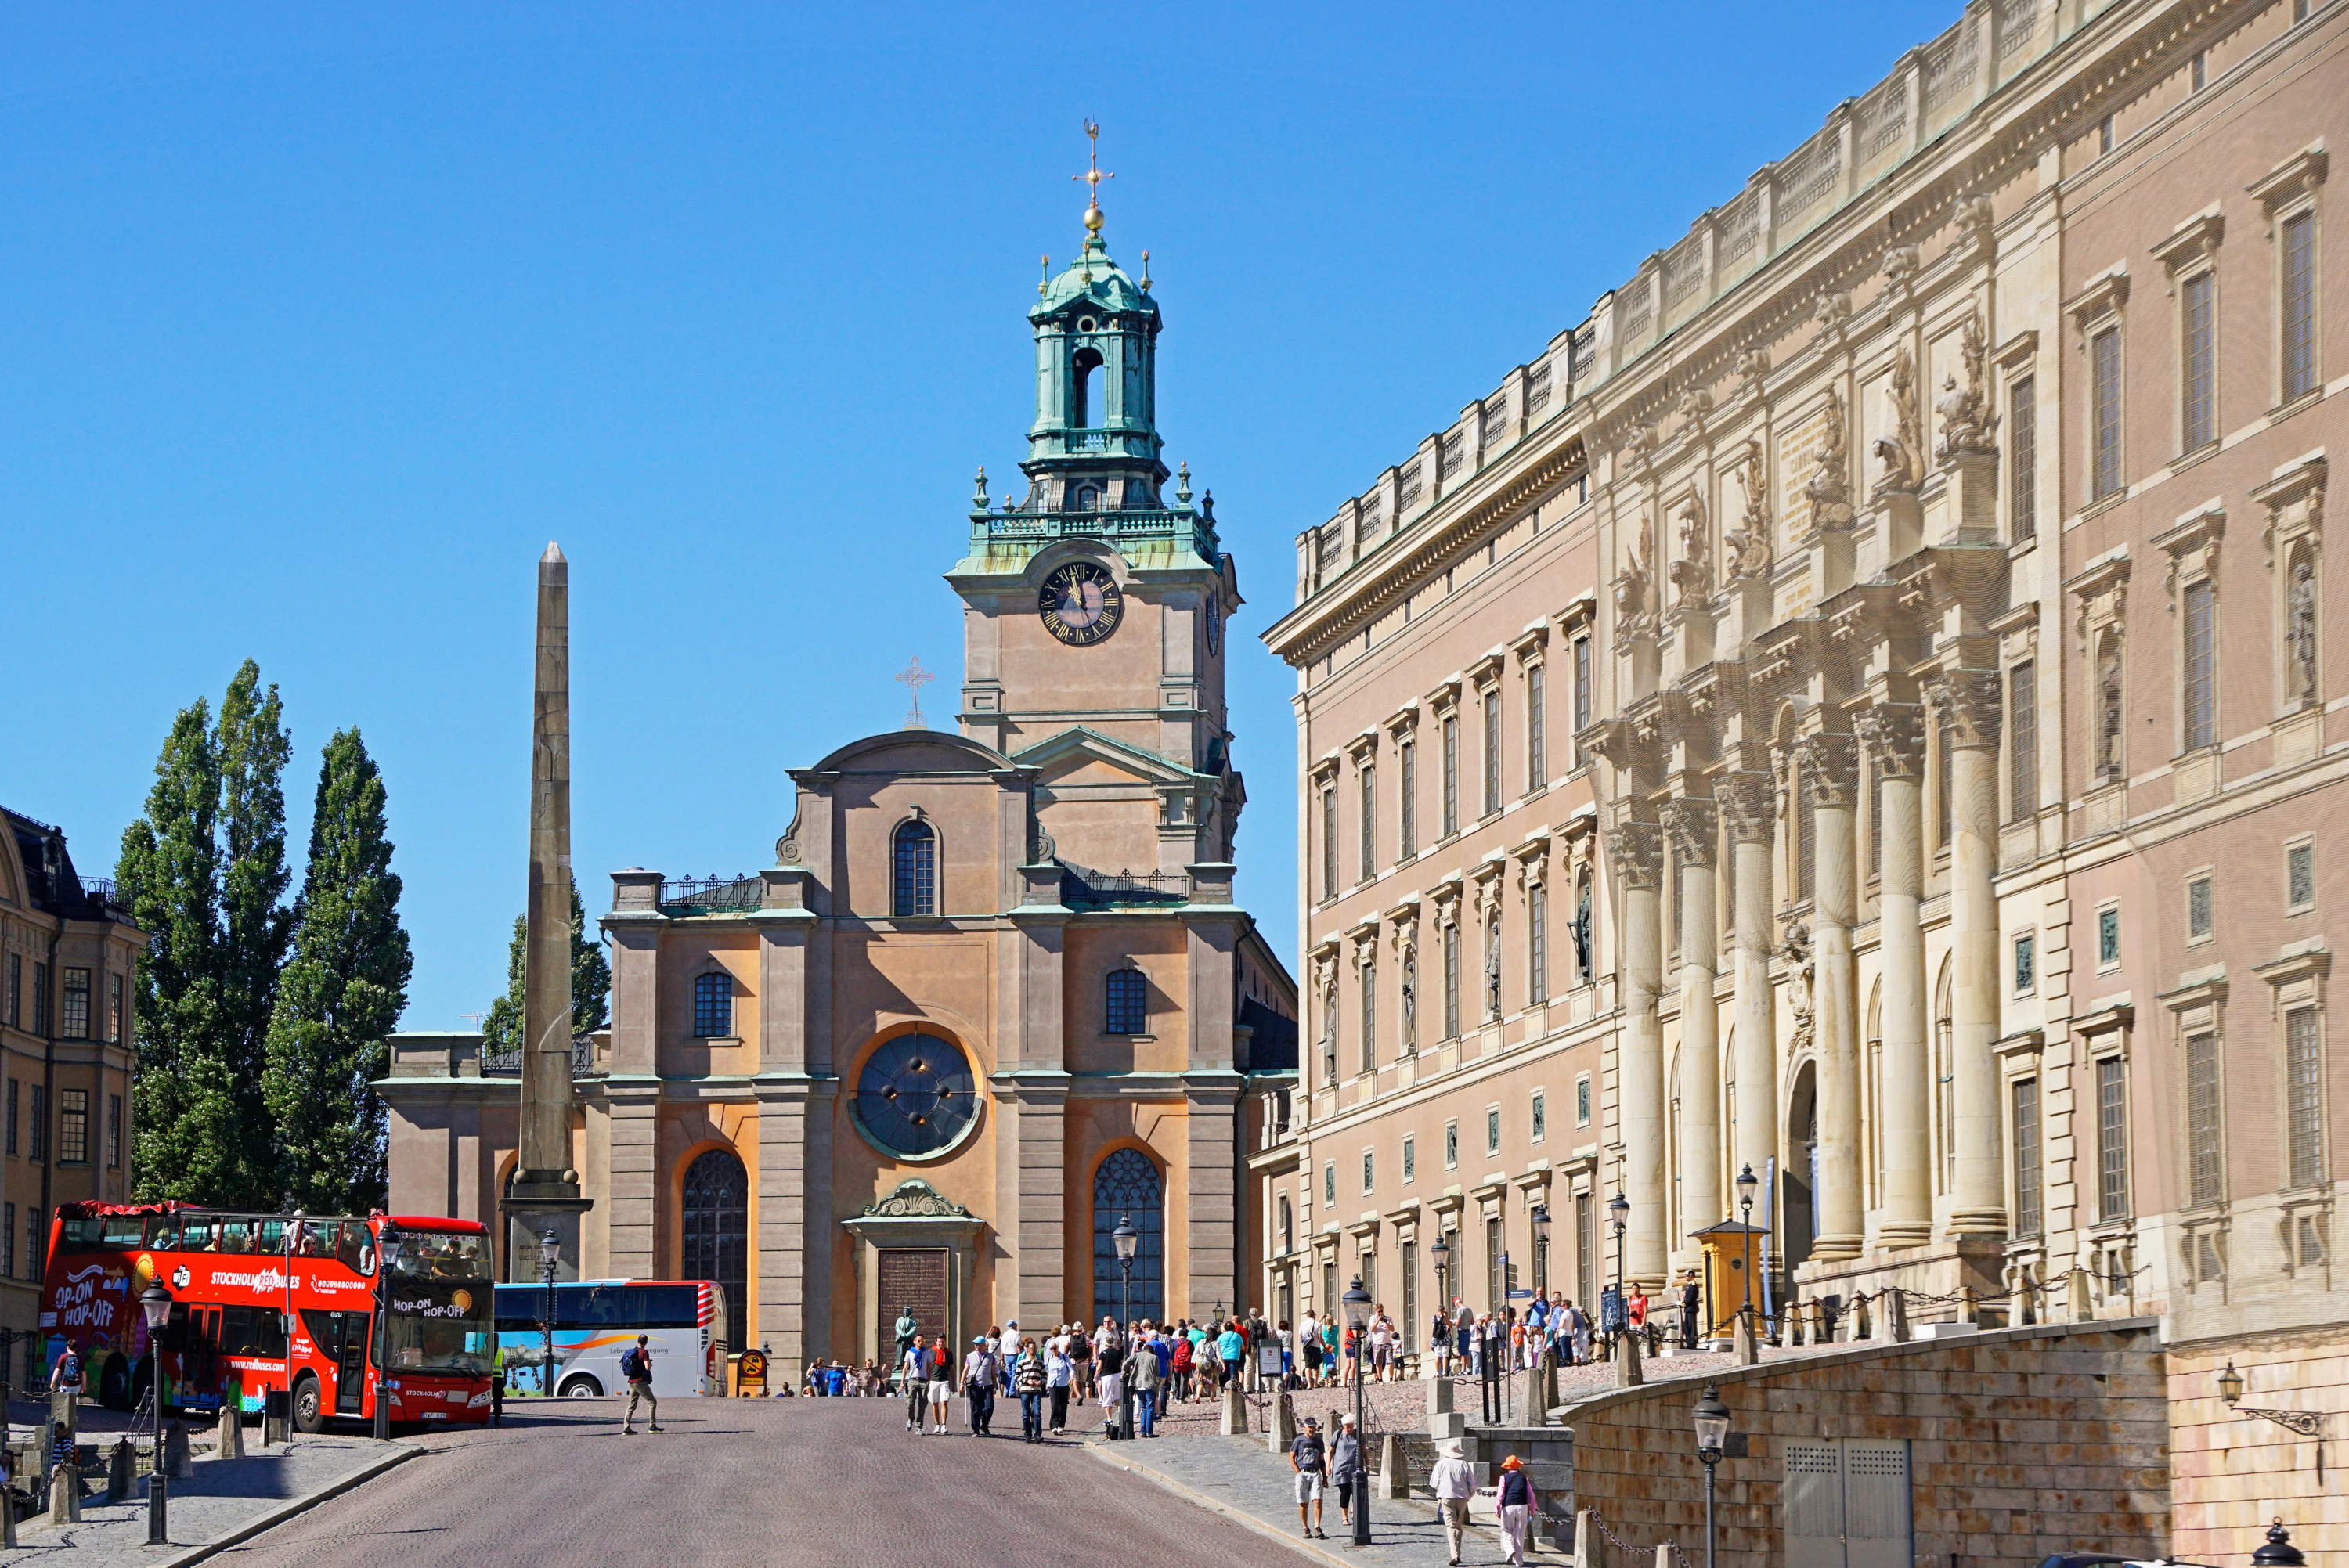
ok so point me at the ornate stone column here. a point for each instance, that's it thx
(1830, 774)
(1970, 698)
(1749, 801)
(1695, 826)
(1895, 736)
(1635, 853)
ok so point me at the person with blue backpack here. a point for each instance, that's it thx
(636, 1367)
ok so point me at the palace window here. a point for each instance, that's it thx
(2022, 459)
(1451, 1145)
(16, 989)
(1370, 848)
(2299, 305)
(2105, 414)
(713, 1005)
(1582, 696)
(2023, 740)
(1537, 944)
(2199, 913)
(2108, 938)
(2112, 1139)
(1406, 799)
(114, 1009)
(73, 1013)
(1540, 1115)
(40, 999)
(40, 1123)
(2303, 1047)
(2027, 1222)
(2206, 1158)
(1126, 1002)
(1582, 1101)
(917, 879)
(2299, 878)
(1369, 1166)
(2198, 328)
(1491, 1129)
(1451, 774)
(1329, 844)
(114, 1132)
(1492, 752)
(1536, 728)
(73, 1127)
(2027, 963)
(2201, 665)
(1410, 1159)
(1944, 771)
(1328, 1182)
(1369, 1013)
(13, 1088)
(1450, 979)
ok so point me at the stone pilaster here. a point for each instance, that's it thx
(1695, 824)
(1635, 853)
(1032, 1188)
(783, 1272)
(1894, 733)
(1211, 1231)
(635, 1154)
(1970, 697)
(1830, 774)
(1749, 802)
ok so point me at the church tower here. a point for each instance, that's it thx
(1094, 634)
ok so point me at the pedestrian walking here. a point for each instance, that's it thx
(637, 1368)
(914, 1383)
(1058, 1372)
(1453, 1483)
(941, 1369)
(1309, 1335)
(1029, 1380)
(1142, 1374)
(1518, 1498)
(1310, 1458)
(1347, 1472)
(1439, 1340)
(978, 1384)
(1181, 1367)
(1232, 1351)
(498, 1386)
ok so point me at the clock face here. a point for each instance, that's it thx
(1080, 603)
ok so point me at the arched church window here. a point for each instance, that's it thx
(1088, 497)
(717, 1233)
(1127, 1003)
(915, 855)
(1084, 372)
(713, 1005)
(1129, 1187)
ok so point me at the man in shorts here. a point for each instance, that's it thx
(1309, 1458)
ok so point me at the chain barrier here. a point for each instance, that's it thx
(1599, 1519)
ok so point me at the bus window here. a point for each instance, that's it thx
(199, 1234)
(164, 1231)
(666, 1305)
(251, 1331)
(124, 1233)
(80, 1235)
(269, 1236)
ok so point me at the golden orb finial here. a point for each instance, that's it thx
(1092, 177)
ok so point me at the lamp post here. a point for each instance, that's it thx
(1746, 1183)
(155, 1302)
(1126, 1240)
(1711, 1434)
(549, 1254)
(1442, 1252)
(2301, 1423)
(387, 1258)
(1541, 1251)
(1617, 1207)
(1358, 1319)
(2279, 1552)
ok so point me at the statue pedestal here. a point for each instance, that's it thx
(534, 1208)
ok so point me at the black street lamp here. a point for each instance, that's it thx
(1126, 1240)
(2279, 1552)
(1746, 1183)
(1541, 1250)
(1442, 1252)
(1712, 1436)
(1358, 1318)
(155, 1302)
(549, 1254)
(387, 1257)
(1618, 1208)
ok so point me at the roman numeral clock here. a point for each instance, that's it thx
(1080, 603)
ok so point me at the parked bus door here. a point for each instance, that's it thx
(350, 1379)
(201, 1362)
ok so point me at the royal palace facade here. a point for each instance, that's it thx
(1861, 707)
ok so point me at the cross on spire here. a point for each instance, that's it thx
(914, 677)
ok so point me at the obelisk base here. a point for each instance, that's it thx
(534, 1208)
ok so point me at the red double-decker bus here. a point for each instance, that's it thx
(274, 1301)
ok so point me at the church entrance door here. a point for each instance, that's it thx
(914, 1282)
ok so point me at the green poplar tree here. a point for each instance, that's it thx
(256, 925)
(341, 994)
(590, 984)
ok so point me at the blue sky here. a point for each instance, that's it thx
(319, 323)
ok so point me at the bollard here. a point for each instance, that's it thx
(276, 1406)
(1589, 1545)
(120, 1471)
(1667, 1554)
(62, 1411)
(1626, 1362)
(65, 1496)
(175, 1452)
(48, 1453)
(1748, 1353)
(7, 1522)
(1236, 1417)
(1896, 1317)
(232, 1434)
(1439, 1397)
(1281, 1430)
(1392, 1481)
(159, 1507)
(2077, 1293)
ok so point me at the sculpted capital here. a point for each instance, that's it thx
(1831, 769)
(1894, 734)
(1635, 852)
(1751, 803)
(1695, 824)
(1968, 700)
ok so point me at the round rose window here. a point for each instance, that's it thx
(915, 1095)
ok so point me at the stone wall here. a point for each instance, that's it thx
(2021, 1443)
(2234, 1472)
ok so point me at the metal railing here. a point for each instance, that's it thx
(508, 1063)
(712, 895)
(1083, 885)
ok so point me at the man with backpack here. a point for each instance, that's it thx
(637, 1366)
(913, 1382)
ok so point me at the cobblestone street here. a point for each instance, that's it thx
(754, 1481)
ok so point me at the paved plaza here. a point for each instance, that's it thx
(750, 1481)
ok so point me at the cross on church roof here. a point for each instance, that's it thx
(914, 677)
(1092, 177)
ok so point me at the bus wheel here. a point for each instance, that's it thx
(114, 1384)
(309, 1410)
(582, 1388)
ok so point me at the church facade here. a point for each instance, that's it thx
(993, 996)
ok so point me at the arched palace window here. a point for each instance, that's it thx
(713, 1005)
(1128, 1186)
(717, 1233)
(916, 864)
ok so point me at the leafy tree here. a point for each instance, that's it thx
(256, 926)
(342, 991)
(590, 984)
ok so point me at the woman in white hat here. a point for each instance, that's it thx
(1453, 1483)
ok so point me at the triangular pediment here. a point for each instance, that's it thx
(1087, 756)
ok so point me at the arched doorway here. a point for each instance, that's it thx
(717, 1233)
(1128, 1186)
(1802, 1182)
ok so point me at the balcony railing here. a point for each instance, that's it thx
(508, 1063)
(711, 894)
(1081, 886)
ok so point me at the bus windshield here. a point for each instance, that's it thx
(437, 1326)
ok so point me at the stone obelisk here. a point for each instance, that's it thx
(546, 1192)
